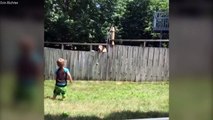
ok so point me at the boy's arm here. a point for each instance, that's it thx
(55, 77)
(69, 77)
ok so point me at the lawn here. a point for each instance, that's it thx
(93, 100)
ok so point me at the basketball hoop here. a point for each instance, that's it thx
(161, 22)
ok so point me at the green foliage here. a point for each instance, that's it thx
(162, 5)
(135, 20)
(89, 20)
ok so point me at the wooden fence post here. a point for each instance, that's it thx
(62, 46)
(90, 47)
(144, 44)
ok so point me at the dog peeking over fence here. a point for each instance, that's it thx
(102, 49)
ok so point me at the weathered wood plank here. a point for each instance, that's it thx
(138, 61)
(145, 63)
(129, 64)
(155, 63)
(166, 67)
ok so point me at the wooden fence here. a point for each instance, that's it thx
(121, 63)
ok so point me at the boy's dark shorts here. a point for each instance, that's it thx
(59, 90)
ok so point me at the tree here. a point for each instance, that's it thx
(135, 20)
(89, 20)
(78, 21)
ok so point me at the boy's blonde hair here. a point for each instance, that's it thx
(60, 62)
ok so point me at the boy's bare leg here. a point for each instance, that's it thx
(63, 96)
(54, 97)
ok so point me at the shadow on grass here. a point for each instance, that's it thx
(49, 97)
(113, 116)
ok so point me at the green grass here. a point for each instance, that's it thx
(108, 100)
